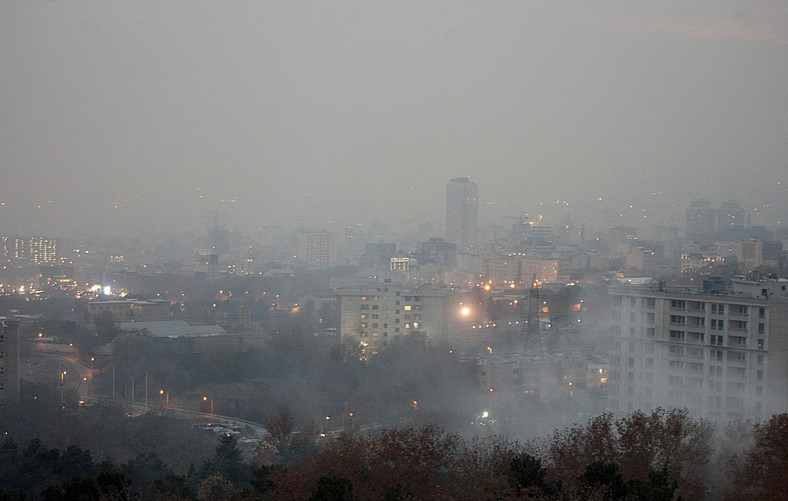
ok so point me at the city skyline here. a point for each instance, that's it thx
(140, 118)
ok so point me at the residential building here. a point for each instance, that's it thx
(317, 249)
(720, 352)
(370, 317)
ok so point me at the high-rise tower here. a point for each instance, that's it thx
(462, 212)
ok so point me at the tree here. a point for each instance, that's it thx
(332, 489)
(280, 427)
(526, 474)
(765, 463)
(106, 327)
(215, 488)
(228, 462)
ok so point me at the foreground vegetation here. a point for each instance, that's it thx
(661, 455)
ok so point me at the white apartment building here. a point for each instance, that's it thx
(372, 317)
(722, 354)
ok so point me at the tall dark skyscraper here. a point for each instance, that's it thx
(462, 212)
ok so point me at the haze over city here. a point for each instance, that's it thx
(137, 117)
(402, 250)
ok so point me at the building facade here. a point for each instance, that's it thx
(462, 213)
(372, 317)
(722, 354)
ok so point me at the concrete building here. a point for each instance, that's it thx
(462, 213)
(515, 269)
(131, 310)
(701, 221)
(371, 317)
(316, 249)
(720, 352)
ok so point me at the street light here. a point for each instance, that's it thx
(166, 397)
(205, 399)
(62, 381)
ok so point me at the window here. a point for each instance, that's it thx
(651, 302)
(761, 312)
(408, 307)
(677, 334)
(650, 318)
(374, 307)
(631, 362)
(716, 355)
(364, 306)
(675, 303)
(677, 319)
(760, 359)
(759, 376)
(374, 315)
(761, 328)
(363, 298)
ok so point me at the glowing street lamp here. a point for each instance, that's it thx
(205, 399)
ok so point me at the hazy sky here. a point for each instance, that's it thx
(141, 116)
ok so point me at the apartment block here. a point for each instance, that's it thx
(722, 353)
(372, 317)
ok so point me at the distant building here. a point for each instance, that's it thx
(731, 217)
(437, 251)
(721, 353)
(701, 221)
(377, 255)
(516, 269)
(36, 250)
(218, 238)
(127, 310)
(316, 249)
(371, 317)
(462, 213)
(207, 266)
